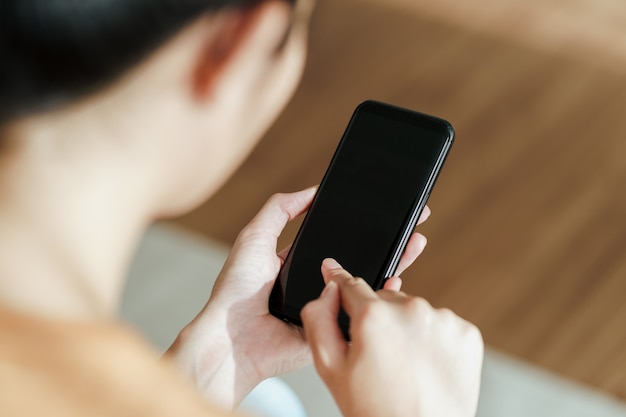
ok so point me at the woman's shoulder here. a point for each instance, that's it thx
(71, 369)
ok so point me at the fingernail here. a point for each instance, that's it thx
(328, 288)
(330, 263)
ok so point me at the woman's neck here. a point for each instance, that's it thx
(68, 227)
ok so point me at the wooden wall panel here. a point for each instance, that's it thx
(528, 232)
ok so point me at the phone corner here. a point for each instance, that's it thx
(451, 131)
(366, 103)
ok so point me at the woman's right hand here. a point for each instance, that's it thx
(406, 358)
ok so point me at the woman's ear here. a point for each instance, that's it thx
(243, 36)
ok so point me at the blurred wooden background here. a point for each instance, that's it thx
(528, 233)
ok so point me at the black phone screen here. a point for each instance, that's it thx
(367, 204)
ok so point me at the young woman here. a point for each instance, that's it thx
(117, 112)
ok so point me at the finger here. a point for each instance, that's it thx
(393, 284)
(279, 209)
(425, 215)
(319, 319)
(355, 292)
(414, 248)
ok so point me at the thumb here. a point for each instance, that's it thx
(319, 319)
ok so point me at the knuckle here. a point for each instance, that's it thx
(353, 281)
(467, 332)
(276, 202)
(276, 198)
(371, 308)
(419, 306)
(373, 315)
(250, 233)
(283, 205)
(309, 311)
(421, 313)
(448, 314)
(245, 233)
(474, 335)
(340, 274)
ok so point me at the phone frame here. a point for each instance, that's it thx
(391, 264)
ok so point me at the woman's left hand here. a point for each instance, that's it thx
(235, 343)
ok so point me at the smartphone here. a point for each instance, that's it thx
(367, 204)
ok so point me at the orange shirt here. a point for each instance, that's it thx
(53, 368)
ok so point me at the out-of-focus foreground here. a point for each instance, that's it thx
(528, 233)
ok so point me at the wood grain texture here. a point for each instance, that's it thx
(528, 232)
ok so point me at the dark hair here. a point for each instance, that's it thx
(54, 51)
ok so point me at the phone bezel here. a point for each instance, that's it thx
(292, 314)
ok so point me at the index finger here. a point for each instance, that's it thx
(355, 292)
